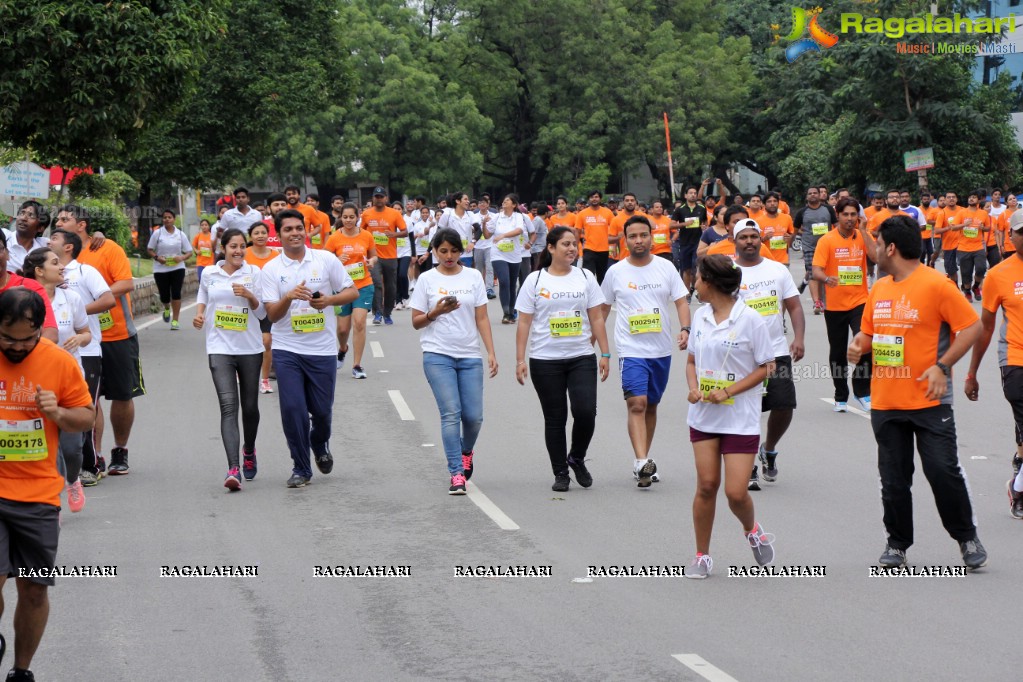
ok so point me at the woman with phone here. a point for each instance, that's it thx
(450, 305)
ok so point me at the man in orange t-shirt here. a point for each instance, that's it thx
(202, 244)
(1004, 289)
(778, 229)
(661, 233)
(619, 249)
(976, 224)
(915, 327)
(594, 222)
(386, 225)
(930, 214)
(949, 227)
(318, 223)
(1005, 245)
(43, 393)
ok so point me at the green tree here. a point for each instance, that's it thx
(80, 81)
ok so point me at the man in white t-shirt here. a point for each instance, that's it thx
(298, 290)
(241, 217)
(645, 289)
(768, 288)
(481, 250)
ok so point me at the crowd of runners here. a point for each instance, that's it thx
(286, 291)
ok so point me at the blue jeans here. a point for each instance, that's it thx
(507, 279)
(305, 385)
(457, 385)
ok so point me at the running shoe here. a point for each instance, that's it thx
(863, 402)
(457, 485)
(175, 326)
(88, 478)
(378, 319)
(491, 295)
(645, 473)
(974, 555)
(341, 358)
(762, 544)
(119, 462)
(399, 306)
(1017, 462)
(467, 464)
(388, 321)
(297, 481)
(233, 480)
(506, 320)
(75, 497)
(264, 386)
(249, 467)
(582, 474)
(754, 480)
(892, 558)
(818, 307)
(1015, 501)
(841, 407)
(358, 372)
(977, 292)
(700, 568)
(560, 484)
(101, 466)
(767, 462)
(324, 460)
(20, 676)
(968, 295)
(166, 316)
(802, 285)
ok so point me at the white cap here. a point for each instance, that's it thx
(749, 224)
(1016, 220)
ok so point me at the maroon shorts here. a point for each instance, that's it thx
(730, 442)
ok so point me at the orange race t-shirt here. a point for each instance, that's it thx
(1003, 227)
(1003, 288)
(781, 225)
(972, 236)
(253, 259)
(783, 207)
(845, 259)
(202, 243)
(869, 211)
(874, 221)
(317, 227)
(28, 441)
(595, 224)
(618, 227)
(661, 234)
(117, 323)
(357, 249)
(378, 222)
(931, 216)
(756, 215)
(555, 220)
(950, 239)
(909, 322)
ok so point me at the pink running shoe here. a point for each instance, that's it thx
(233, 480)
(75, 497)
(457, 485)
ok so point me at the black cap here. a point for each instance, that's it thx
(379, 191)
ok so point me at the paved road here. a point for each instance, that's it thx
(386, 504)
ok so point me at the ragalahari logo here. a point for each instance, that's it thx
(804, 21)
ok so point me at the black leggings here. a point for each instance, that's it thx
(169, 284)
(556, 382)
(234, 375)
(839, 323)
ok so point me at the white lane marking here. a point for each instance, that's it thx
(159, 318)
(502, 520)
(428, 445)
(384, 371)
(703, 668)
(852, 410)
(399, 404)
(378, 351)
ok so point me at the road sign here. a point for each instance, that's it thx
(24, 179)
(919, 159)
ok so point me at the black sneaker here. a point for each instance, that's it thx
(119, 462)
(767, 461)
(1016, 464)
(802, 285)
(582, 474)
(561, 484)
(892, 558)
(974, 555)
(21, 676)
(645, 474)
(297, 481)
(1015, 501)
(324, 461)
(467, 464)
(101, 466)
(754, 480)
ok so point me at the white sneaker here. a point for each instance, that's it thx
(700, 568)
(399, 306)
(864, 403)
(841, 407)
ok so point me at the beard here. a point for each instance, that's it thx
(16, 356)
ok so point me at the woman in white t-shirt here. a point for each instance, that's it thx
(505, 230)
(43, 265)
(460, 220)
(560, 308)
(169, 248)
(730, 355)
(450, 305)
(229, 311)
(424, 227)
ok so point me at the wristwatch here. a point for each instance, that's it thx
(944, 368)
(685, 329)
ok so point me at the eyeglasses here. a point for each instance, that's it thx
(11, 342)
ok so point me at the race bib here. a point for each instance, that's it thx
(970, 232)
(764, 303)
(819, 228)
(889, 351)
(23, 441)
(424, 243)
(170, 260)
(106, 320)
(206, 253)
(315, 239)
(403, 241)
(465, 244)
(645, 323)
(357, 271)
(231, 318)
(506, 246)
(692, 222)
(307, 321)
(777, 244)
(850, 276)
(381, 239)
(566, 323)
(660, 239)
(711, 380)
